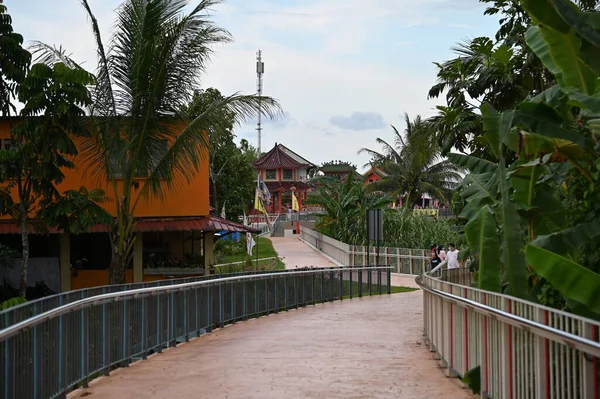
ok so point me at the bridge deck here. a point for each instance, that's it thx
(360, 348)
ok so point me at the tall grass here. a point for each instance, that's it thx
(400, 229)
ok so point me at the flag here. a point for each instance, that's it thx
(249, 239)
(263, 191)
(295, 205)
(258, 203)
(223, 212)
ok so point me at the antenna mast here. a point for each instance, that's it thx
(260, 70)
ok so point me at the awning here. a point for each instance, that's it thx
(199, 223)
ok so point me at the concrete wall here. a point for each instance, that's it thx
(38, 269)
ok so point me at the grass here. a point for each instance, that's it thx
(236, 252)
(264, 247)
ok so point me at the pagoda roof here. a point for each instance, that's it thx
(375, 170)
(279, 157)
(340, 167)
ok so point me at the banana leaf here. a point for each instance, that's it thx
(482, 235)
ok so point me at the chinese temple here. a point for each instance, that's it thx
(284, 171)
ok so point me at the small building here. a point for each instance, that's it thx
(373, 174)
(337, 169)
(171, 232)
(283, 170)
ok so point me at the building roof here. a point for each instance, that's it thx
(282, 157)
(197, 223)
(375, 170)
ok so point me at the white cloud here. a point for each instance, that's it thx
(314, 61)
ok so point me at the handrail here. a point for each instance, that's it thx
(520, 349)
(98, 299)
(49, 354)
(573, 341)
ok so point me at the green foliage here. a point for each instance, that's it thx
(535, 195)
(472, 379)
(42, 146)
(14, 62)
(145, 79)
(7, 256)
(12, 302)
(347, 203)
(231, 172)
(413, 164)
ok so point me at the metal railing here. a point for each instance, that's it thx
(402, 260)
(52, 353)
(32, 308)
(521, 349)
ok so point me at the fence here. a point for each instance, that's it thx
(402, 260)
(32, 308)
(514, 348)
(48, 355)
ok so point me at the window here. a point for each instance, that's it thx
(288, 174)
(271, 174)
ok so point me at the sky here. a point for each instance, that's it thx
(343, 70)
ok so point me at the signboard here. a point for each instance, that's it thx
(375, 225)
(428, 212)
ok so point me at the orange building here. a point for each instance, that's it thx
(171, 232)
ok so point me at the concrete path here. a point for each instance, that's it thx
(360, 348)
(297, 254)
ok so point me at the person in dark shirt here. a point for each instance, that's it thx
(435, 259)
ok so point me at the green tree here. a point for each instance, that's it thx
(231, 174)
(517, 209)
(141, 139)
(42, 146)
(14, 62)
(414, 164)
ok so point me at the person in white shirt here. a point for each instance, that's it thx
(452, 257)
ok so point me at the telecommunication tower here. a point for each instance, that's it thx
(260, 70)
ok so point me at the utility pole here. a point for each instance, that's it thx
(260, 70)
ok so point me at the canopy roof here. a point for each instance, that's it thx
(195, 223)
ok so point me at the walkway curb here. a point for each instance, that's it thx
(323, 254)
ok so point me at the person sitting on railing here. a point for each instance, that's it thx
(451, 259)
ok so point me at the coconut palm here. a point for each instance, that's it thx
(146, 75)
(413, 164)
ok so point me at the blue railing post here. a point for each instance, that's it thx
(84, 347)
(36, 359)
(350, 286)
(276, 292)
(331, 276)
(221, 305)
(61, 354)
(360, 283)
(186, 327)
(233, 318)
(389, 281)
(171, 338)
(125, 336)
(144, 330)
(286, 293)
(296, 291)
(159, 344)
(209, 320)
(244, 301)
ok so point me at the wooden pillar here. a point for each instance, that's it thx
(65, 262)
(209, 255)
(138, 259)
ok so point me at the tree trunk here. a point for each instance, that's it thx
(116, 270)
(25, 254)
(120, 256)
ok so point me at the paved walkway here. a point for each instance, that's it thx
(296, 253)
(360, 348)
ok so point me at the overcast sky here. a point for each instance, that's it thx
(343, 70)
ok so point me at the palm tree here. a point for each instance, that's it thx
(413, 164)
(346, 203)
(145, 77)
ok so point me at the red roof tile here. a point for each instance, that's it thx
(202, 223)
(277, 158)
